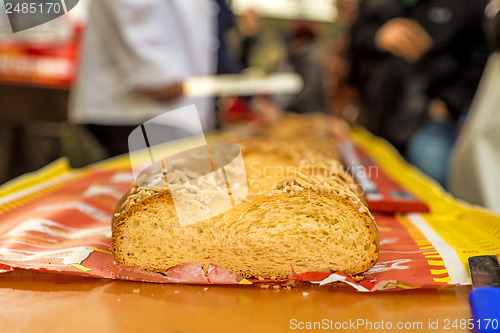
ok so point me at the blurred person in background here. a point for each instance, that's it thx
(135, 57)
(342, 96)
(303, 58)
(227, 62)
(416, 65)
(258, 48)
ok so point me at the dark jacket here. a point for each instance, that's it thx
(449, 71)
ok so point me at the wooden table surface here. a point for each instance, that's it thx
(42, 302)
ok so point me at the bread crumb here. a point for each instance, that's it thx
(176, 291)
(358, 278)
(264, 286)
(205, 289)
(136, 291)
(305, 294)
(276, 286)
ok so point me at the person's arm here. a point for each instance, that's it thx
(362, 52)
(404, 38)
(383, 28)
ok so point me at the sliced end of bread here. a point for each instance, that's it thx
(264, 236)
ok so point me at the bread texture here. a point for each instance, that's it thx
(308, 218)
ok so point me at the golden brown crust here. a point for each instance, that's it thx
(309, 217)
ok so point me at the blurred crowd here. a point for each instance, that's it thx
(407, 70)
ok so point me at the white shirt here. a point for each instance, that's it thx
(135, 44)
(475, 160)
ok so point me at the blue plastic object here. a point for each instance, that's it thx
(485, 307)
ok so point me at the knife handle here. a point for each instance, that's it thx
(485, 307)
